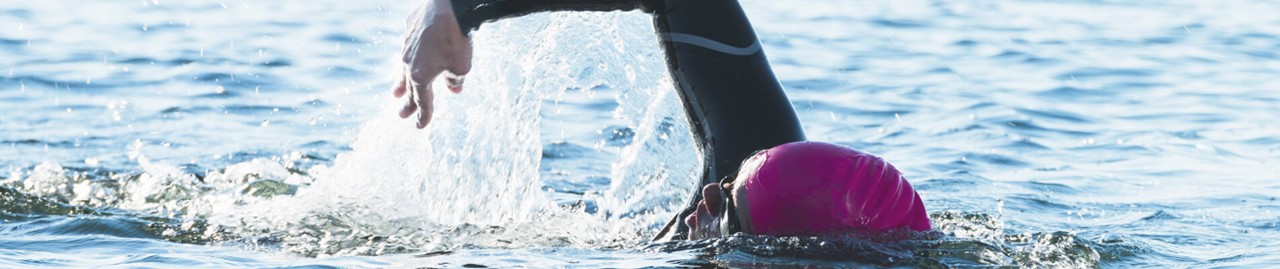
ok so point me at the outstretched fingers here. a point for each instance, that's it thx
(434, 44)
(399, 88)
(425, 108)
(460, 65)
(421, 69)
(454, 82)
(410, 106)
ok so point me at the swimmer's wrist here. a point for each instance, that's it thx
(462, 12)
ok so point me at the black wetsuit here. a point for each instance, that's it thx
(734, 103)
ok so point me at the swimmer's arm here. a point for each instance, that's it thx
(438, 41)
(472, 13)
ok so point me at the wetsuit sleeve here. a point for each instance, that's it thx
(472, 13)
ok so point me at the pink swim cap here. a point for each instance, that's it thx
(813, 188)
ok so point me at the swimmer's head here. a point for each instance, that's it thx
(814, 188)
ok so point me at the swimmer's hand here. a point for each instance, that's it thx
(434, 44)
(705, 221)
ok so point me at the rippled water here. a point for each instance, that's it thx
(260, 134)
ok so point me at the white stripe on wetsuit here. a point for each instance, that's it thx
(712, 44)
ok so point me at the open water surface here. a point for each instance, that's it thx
(261, 134)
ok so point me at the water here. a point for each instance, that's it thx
(261, 134)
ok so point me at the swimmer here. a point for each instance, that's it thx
(738, 112)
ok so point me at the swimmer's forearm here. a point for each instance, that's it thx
(472, 13)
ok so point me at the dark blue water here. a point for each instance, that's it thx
(260, 134)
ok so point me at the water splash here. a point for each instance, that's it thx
(471, 178)
(960, 240)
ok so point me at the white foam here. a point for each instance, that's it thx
(472, 179)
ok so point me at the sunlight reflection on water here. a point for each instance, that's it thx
(1112, 133)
